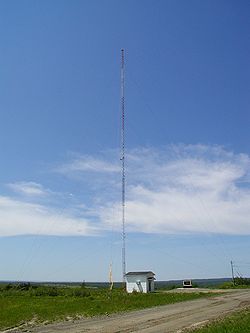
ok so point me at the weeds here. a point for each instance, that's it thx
(48, 303)
(237, 323)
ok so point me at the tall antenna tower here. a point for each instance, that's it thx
(123, 165)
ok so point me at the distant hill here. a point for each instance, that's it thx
(203, 283)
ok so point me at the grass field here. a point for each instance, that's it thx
(237, 323)
(49, 303)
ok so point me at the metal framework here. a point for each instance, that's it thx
(123, 165)
(232, 270)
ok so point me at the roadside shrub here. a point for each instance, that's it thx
(8, 286)
(45, 291)
(38, 292)
(53, 291)
(239, 281)
(23, 286)
(81, 293)
(226, 285)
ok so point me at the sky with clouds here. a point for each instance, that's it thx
(187, 138)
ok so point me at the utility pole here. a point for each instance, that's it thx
(232, 269)
(122, 158)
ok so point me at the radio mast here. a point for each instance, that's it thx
(123, 165)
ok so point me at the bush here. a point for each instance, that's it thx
(24, 286)
(53, 291)
(226, 285)
(8, 286)
(239, 281)
(81, 293)
(45, 291)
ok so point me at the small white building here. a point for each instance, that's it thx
(187, 284)
(142, 282)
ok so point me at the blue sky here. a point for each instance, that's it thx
(187, 138)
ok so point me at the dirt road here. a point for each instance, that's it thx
(162, 319)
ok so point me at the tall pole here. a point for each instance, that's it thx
(123, 165)
(232, 269)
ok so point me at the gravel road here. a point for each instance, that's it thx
(162, 319)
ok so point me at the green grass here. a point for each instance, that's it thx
(230, 285)
(239, 283)
(19, 306)
(237, 323)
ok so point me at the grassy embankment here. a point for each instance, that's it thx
(41, 303)
(239, 283)
(237, 323)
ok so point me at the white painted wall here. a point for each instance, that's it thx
(138, 283)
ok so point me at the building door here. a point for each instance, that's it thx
(149, 285)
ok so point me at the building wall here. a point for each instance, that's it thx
(131, 283)
(131, 286)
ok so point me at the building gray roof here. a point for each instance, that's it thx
(140, 273)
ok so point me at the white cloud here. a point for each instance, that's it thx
(21, 218)
(86, 163)
(178, 189)
(185, 189)
(28, 188)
